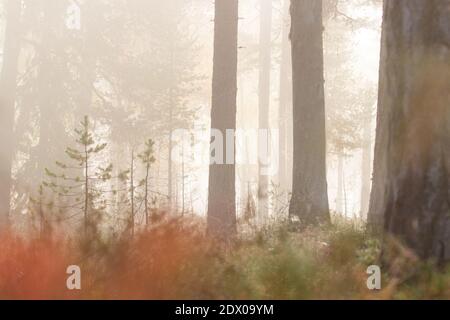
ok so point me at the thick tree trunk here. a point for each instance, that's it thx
(309, 195)
(222, 193)
(414, 111)
(8, 85)
(285, 111)
(265, 33)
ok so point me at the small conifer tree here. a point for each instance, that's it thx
(147, 158)
(79, 182)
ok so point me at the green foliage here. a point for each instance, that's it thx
(273, 264)
(176, 260)
(147, 156)
(76, 185)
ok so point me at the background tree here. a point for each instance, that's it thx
(44, 95)
(92, 198)
(222, 192)
(309, 195)
(147, 158)
(8, 84)
(265, 67)
(285, 103)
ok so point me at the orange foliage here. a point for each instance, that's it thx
(153, 266)
(149, 266)
(32, 269)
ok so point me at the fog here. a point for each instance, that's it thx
(142, 69)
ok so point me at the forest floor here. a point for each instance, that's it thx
(175, 260)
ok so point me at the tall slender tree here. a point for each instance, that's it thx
(413, 126)
(222, 189)
(8, 79)
(147, 158)
(309, 195)
(265, 33)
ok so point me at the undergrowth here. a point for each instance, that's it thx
(176, 260)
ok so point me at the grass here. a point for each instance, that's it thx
(176, 260)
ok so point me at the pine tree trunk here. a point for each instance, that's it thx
(147, 171)
(132, 217)
(264, 104)
(86, 192)
(414, 111)
(222, 193)
(8, 85)
(309, 196)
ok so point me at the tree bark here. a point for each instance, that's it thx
(8, 79)
(222, 193)
(309, 196)
(414, 112)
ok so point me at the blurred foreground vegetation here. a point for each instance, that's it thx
(176, 260)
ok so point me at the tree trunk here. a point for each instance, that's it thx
(415, 114)
(222, 193)
(86, 191)
(147, 171)
(265, 34)
(309, 195)
(132, 217)
(8, 85)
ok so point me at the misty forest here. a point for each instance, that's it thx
(226, 149)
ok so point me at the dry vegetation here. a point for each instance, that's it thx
(175, 260)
